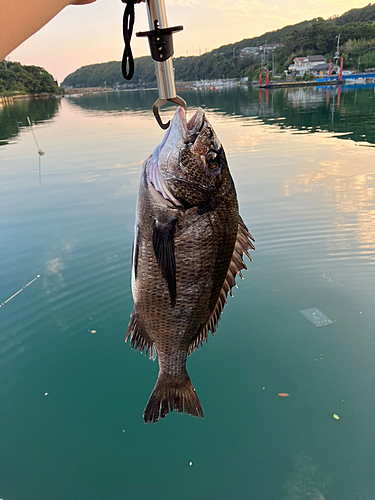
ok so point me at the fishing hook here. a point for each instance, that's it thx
(159, 103)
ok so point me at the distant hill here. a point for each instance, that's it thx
(18, 79)
(356, 15)
(277, 36)
(208, 66)
(317, 36)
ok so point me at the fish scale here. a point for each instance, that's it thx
(189, 243)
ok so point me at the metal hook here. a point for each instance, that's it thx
(159, 103)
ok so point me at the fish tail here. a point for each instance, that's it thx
(172, 393)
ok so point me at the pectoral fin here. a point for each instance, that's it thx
(242, 245)
(135, 252)
(163, 243)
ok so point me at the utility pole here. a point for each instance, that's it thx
(265, 55)
(337, 53)
(273, 64)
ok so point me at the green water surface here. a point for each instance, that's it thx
(71, 401)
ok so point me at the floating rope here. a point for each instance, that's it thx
(19, 291)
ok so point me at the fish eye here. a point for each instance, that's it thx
(211, 159)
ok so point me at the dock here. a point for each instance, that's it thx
(356, 79)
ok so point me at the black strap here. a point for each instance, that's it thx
(127, 65)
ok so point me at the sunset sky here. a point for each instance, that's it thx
(92, 33)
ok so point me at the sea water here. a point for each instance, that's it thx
(72, 393)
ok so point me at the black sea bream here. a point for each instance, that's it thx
(188, 248)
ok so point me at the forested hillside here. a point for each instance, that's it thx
(317, 36)
(18, 79)
(356, 15)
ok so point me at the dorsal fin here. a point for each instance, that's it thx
(243, 244)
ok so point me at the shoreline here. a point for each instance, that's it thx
(10, 99)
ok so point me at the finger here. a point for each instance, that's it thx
(82, 2)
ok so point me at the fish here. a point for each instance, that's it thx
(189, 243)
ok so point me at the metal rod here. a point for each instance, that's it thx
(157, 17)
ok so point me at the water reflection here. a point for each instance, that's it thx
(348, 182)
(13, 118)
(346, 109)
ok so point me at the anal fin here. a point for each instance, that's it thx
(244, 242)
(139, 338)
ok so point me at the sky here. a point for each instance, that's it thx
(92, 33)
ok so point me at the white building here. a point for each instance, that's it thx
(302, 65)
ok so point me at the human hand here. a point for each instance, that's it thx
(19, 19)
(81, 2)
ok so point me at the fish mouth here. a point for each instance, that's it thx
(195, 124)
(181, 130)
(179, 133)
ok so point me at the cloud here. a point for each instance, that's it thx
(52, 276)
(284, 12)
(53, 266)
(304, 480)
(242, 9)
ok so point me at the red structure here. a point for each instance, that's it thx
(341, 66)
(260, 77)
(330, 68)
(268, 77)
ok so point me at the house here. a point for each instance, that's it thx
(262, 52)
(269, 47)
(320, 69)
(248, 51)
(302, 65)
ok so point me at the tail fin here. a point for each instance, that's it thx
(172, 393)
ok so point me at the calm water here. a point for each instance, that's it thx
(71, 401)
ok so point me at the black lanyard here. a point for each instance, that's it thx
(127, 65)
